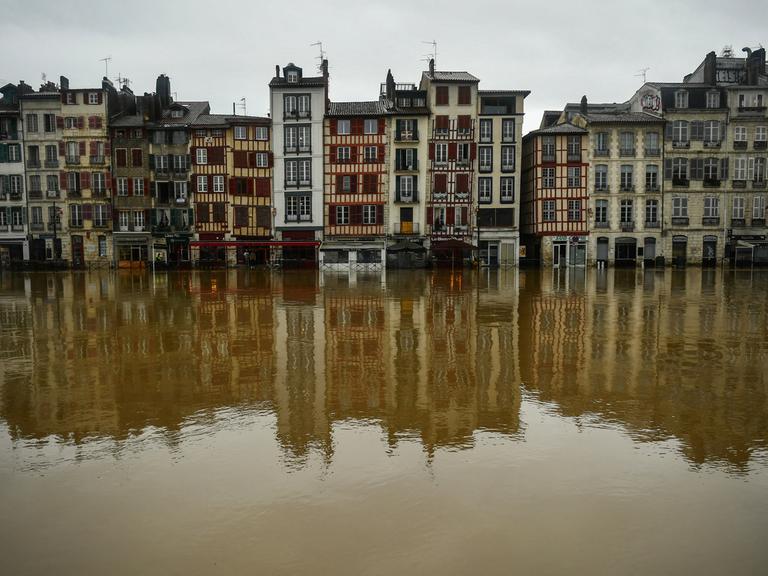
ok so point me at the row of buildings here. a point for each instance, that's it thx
(100, 176)
(429, 172)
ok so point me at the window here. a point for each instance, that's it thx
(305, 138)
(201, 156)
(758, 207)
(574, 148)
(711, 207)
(100, 216)
(740, 168)
(241, 216)
(31, 123)
(601, 212)
(601, 177)
(219, 212)
(177, 113)
(651, 143)
(680, 169)
(261, 133)
(438, 217)
(508, 189)
(465, 95)
(73, 182)
(305, 172)
(710, 169)
(305, 208)
(758, 174)
(651, 177)
(369, 153)
(369, 214)
(137, 156)
(651, 211)
(121, 157)
(342, 215)
(370, 184)
(343, 127)
(52, 183)
(348, 183)
(292, 76)
(371, 126)
(98, 183)
(289, 138)
(202, 184)
(441, 95)
(304, 105)
(138, 186)
(15, 185)
(712, 131)
(14, 152)
(574, 210)
(548, 177)
(486, 130)
(761, 133)
(241, 132)
(737, 212)
(262, 160)
(626, 209)
(215, 133)
(93, 97)
(441, 153)
(34, 184)
(508, 132)
(75, 215)
(485, 155)
(138, 220)
(680, 207)
(548, 148)
(601, 144)
(36, 213)
(464, 125)
(291, 172)
(679, 131)
(180, 191)
(218, 183)
(200, 133)
(289, 105)
(507, 158)
(627, 144)
(49, 122)
(574, 176)
(626, 177)
(740, 133)
(406, 188)
(442, 125)
(124, 219)
(713, 100)
(681, 99)
(484, 192)
(548, 211)
(51, 153)
(405, 159)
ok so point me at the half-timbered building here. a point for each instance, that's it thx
(355, 186)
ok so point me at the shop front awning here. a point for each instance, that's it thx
(406, 245)
(452, 244)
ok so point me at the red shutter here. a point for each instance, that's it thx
(381, 125)
(356, 215)
(270, 159)
(441, 183)
(232, 186)
(380, 153)
(94, 149)
(59, 122)
(63, 180)
(210, 184)
(353, 183)
(332, 155)
(353, 154)
(82, 148)
(101, 97)
(107, 148)
(450, 216)
(334, 124)
(80, 122)
(464, 211)
(146, 186)
(62, 149)
(429, 215)
(91, 122)
(240, 159)
(98, 122)
(332, 215)
(108, 180)
(262, 187)
(339, 184)
(472, 151)
(250, 186)
(193, 150)
(452, 151)
(431, 150)
(130, 186)
(87, 212)
(85, 180)
(251, 159)
(356, 126)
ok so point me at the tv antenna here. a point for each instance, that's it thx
(123, 81)
(433, 54)
(106, 65)
(242, 106)
(322, 55)
(44, 76)
(642, 73)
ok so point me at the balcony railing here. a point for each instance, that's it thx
(758, 184)
(602, 224)
(652, 188)
(33, 163)
(37, 226)
(739, 183)
(35, 194)
(712, 143)
(97, 159)
(652, 224)
(626, 152)
(626, 188)
(652, 152)
(52, 193)
(627, 226)
(679, 220)
(740, 145)
(711, 182)
(406, 228)
(738, 222)
(54, 226)
(760, 144)
(72, 160)
(17, 227)
(758, 221)
(407, 197)
(710, 221)
(601, 152)
(681, 144)
(52, 163)
(679, 181)
(3, 227)
(407, 136)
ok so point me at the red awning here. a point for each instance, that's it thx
(256, 243)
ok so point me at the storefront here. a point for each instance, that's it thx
(132, 250)
(569, 251)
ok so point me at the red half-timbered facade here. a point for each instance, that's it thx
(208, 152)
(555, 198)
(355, 184)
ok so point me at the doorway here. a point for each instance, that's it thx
(78, 252)
(679, 250)
(559, 254)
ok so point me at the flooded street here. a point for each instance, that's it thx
(547, 422)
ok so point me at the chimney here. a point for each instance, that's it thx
(63, 82)
(234, 113)
(277, 70)
(432, 67)
(583, 107)
(710, 68)
(163, 90)
(390, 86)
(324, 68)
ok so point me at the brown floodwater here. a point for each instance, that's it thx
(530, 422)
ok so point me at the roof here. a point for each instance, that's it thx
(227, 119)
(40, 95)
(565, 128)
(625, 118)
(306, 81)
(372, 108)
(441, 76)
(127, 121)
(195, 109)
(522, 93)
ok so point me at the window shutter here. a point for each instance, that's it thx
(130, 186)
(339, 184)
(146, 186)
(697, 130)
(398, 129)
(334, 126)
(97, 122)
(80, 122)
(250, 186)
(107, 149)
(62, 149)
(668, 134)
(415, 182)
(472, 151)
(751, 169)
(332, 215)
(452, 151)
(82, 148)
(251, 160)
(210, 184)
(464, 212)
(151, 161)
(87, 212)
(353, 183)
(101, 97)
(232, 186)
(270, 159)
(380, 153)
(357, 126)
(108, 181)
(59, 122)
(431, 150)
(85, 180)
(397, 188)
(450, 216)
(94, 149)
(353, 154)
(356, 213)
(63, 180)
(429, 215)
(332, 155)
(381, 126)
(723, 168)
(90, 122)
(193, 151)
(668, 168)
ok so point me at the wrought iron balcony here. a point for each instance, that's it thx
(406, 228)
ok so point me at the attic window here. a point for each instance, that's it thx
(681, 99)
(713, 100)
(177, 113)
(292, 76)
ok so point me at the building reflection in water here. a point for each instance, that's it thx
(434, 357)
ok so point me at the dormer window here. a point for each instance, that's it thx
(681, 99)
(292, 77)
(177, 113)
(713, 100)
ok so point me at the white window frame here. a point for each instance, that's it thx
(508, 164)
(202, 184)
(138, 186)
(548, 178)
(486, 130)
(262, 159)
(343, 154)
(369, 214)
(758, 207)
(201, 156)
(180, 191)
(441, 153)
(679, 207)
(626, 211)
(681, 99)
(122, 186)
(305, 173)
(738, 208)
(371, 153)
(124, 220)
(138, 220)
(574, 210)
(739, 133)
(574, 176)
(292, 172)
(100, 215)
(218, 184)
(485, 190)
(343, 127)
(651, 211)
(241, 133)
(761, 133)
(549, 211)
(711, 207)
(601, 211)
(261, 133)
(713, 99)
(507, 189)
(342, 215)
(371, 126)
(506, 136)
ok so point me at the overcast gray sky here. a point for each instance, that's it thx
(225, 50)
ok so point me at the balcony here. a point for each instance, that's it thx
(652, 188)
(626, 188)
(406, 197)
(604, 225)
(678, 181)
(679, 221)
(72, 160)
(711, 182)
(626, 152)
(712, 143)
(738, 222)
(75, 223)
(411, 166)
(54, 226)
(740, 145)
(37, 226)
(100, 223)
(485, 168)
(758, 184)
(681, 144)
(35, 194)
(511, 167)
(162, 172)
(463, 163)
(758, 221)
(627, 226)
(652, 224)
(739, 183)
(599, 152)
(760, 144)
(602, 188)
(652, 152)
(406, 228)
(33, 163)
(710, 221)
(9, 135)
(52, 193)
(752, 110)
(97, 159)
(3, 227)
(17, 227)
(52, 163)
(74, 193)
(407, 136)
